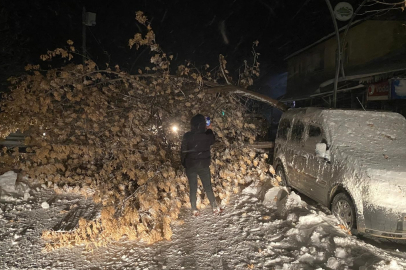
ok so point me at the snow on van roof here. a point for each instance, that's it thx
(365, 128)
(370, 131)
(343, 116)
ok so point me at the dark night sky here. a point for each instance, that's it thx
(188, 29)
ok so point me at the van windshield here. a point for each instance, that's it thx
(370, 131)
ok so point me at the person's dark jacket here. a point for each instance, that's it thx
(195, 149)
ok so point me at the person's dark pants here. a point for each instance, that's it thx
(205, 177)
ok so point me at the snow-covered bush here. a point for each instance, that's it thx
(109, 134)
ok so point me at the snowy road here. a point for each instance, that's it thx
(253, 233)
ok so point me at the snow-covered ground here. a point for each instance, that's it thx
(258, 230)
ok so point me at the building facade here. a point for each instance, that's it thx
(372, 73)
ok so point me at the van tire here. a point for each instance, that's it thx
(280, 171)
(343, 208)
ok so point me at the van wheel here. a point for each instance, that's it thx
(343, 208)
(280, 171)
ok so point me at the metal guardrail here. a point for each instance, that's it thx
(262, 145)
(13, 140)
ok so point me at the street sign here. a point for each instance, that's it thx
(343, 11)
(379, 91)
(90, 19)
(398, 89)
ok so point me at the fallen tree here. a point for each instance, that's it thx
(231, 89)
(109, 134)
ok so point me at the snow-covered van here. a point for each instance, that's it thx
(353, 162)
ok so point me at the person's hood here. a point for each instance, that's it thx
(198, 123)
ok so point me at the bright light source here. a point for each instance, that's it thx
(175, 128)
(43, 134)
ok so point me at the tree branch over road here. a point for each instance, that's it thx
(231, 89)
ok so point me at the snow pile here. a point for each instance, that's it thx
(11, 190)
(275, 197)
(45, 205)
(391, 265)
(8, 181)
(280, 231)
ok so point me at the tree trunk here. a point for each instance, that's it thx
(250, 94)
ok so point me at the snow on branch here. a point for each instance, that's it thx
(231, 89)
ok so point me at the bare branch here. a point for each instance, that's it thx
(380, 10)
(221, 59)
(390, 4)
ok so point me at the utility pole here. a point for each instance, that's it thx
(84, 35)
(346, 32)
(88, 19)
(338, 56)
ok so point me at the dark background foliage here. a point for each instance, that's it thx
(190, 30)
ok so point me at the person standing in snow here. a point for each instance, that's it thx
(195, 157)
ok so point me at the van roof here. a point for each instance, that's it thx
(329, 111)
(327, 115)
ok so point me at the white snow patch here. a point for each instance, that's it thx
(333, 263)
(26, 196)
(8, 181)
(292, 217)
(12, 190)
(272, 196)
(392, 265)
(315, 238)
(250, 190)
(306, 258)
(310, 220)
(340, 253)
(247, 234)
(294, 201)
(45, 205)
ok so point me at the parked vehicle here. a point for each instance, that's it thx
(353, 162)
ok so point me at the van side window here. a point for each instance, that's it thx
(314, 131)
(297, 131)
(283, 129)
(315, 136)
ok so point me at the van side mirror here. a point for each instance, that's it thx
(322, 152)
